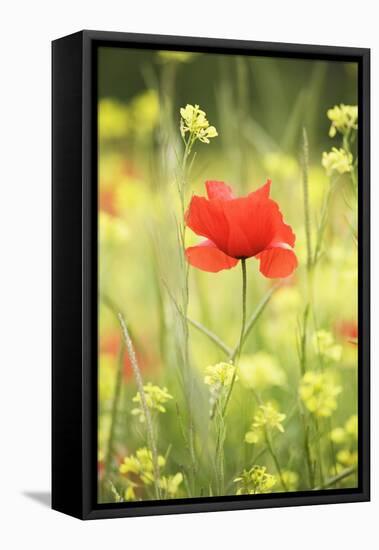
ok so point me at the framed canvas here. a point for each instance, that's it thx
(210, 275)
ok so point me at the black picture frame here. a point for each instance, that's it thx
(74, 274)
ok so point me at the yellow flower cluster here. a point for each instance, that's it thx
(219, 377)
(347, 458)
(267, 417)
(220, 374)
(324, 344)
(337, 160)
(141, 465)
(347, 436)
(255, 481)
(170, 484)
(319, 392)
(344, 118)
(156, 397)
(194, 121)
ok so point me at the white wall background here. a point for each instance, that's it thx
(26, 31)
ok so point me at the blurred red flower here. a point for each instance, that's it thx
(110, 343)
(348, 330)
(240, 228)
(107, 201)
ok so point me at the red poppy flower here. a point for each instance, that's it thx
(240, 228)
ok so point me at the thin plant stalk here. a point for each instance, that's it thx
(309, 305)
(319, 451)
(307, 217)
(275, 459)
(253, 319)
(145, 408)
(219, 454)
(229, 352)
(336, 479)
(307, 448)
(244, 293)
(182, 187)
(241, 338)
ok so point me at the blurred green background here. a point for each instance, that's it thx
(259, 106)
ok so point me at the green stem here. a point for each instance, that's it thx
(242, 334)
(222, 412)
(307, 448)
(219, 458)
(275, 459)
(307, 217)
(332, 448)
(182, 185)
(244, 293)
(319, 452)
(333, 480)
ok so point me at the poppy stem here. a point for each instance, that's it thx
(242, 335)
(244, 293)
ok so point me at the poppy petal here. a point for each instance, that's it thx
(262, 192)
(253, 222)
(283, 232)
(219, 190)
(207, 219)
(208, 257)
(277, 261)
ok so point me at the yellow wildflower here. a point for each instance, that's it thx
(319, 392)
(255, 481)
(141, 464)
(338, 435)
(220, 374)
(349, 433)
(155, 399)
(267, 417)
(130, 493)
(347, 458)
(337, 160)
(344, 118)
(194, 121)
(351, 426)
(324, 344)
(170, 484)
